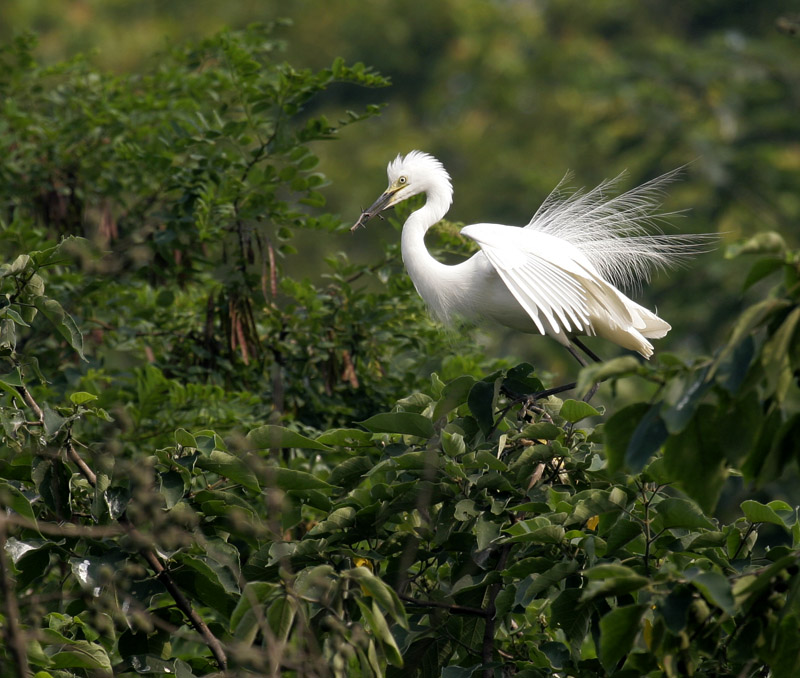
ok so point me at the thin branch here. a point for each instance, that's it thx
(453, 609)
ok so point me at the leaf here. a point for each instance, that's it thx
(406, 423)
(695, 459)
(173, 488)
(377, 624)
(776, 356)
(568, 613)
(617, 367)
(575, 410)
(646, 439)
(717, 590)
(254, 594)
(228, 466)
(756, 512)
(618, 431)
(80, 654)
(280, 617)
(63, 322)
(383, 594)
(348, 473)
(53, 421)
(290, 479)
(481, 403)
(271, 437)
(185, 439)
(82, 397)
(12, 498)
(677, 512)
(618, 630)
(453, 395)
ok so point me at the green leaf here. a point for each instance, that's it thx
(185, 439)
(407, 423)
(231, 467)
(615, 368)
(646, 439)
(12, 498)
(481, 403)
(716, 589)
(568, 613)
(82, 397)
(62, 320)
(280, 616)
(290, 479)
(776, 356)
(618, 630)
(618, 431)
(677, 512)
(756, 512)
(271, 437)
(383, 594)
(377, 624)
(695, 459)
(575, 410)
(53, 421)
(454, 394)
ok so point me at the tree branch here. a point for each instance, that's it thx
(453, 609)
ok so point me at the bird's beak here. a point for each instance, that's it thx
(381, 204)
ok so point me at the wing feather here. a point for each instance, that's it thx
(544, 273)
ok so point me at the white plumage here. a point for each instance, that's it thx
(559, 275)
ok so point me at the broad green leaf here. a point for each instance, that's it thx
(53, 421)
(373, 616)
(254, 594)
(695, 459)
(575, 410)
(173, 487)
(407, 423)
(82, 397)
(618, 630)
(453, 395)
(81, 654)
(184, 438)
(481, 403)
(271, 437)
(290, 479)
(615, 368)
(756, 512)
(570, 615)
(12, 498)
(280, 616)
(63, 322)
(231, 467)
(717, 590)
(677, 512)
(383, 594)
(348, 473)
(618, 431)
(776, 356)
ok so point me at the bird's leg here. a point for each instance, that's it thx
(583, 347)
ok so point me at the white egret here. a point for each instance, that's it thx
(558, 276)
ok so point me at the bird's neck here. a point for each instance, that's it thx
(426, 272)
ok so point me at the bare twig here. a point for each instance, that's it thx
(453, 609)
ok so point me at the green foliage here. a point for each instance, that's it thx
(211, 466)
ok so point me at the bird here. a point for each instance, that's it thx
(560, 275)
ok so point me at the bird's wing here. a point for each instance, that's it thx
(544, 273)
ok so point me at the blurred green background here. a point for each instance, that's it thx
(512, 94)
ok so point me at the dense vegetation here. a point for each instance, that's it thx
(213, 465)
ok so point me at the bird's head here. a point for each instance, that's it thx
(409, 175)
